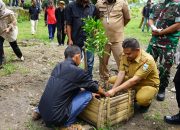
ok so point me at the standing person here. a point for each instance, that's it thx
(22, 3)
(34, 11)
(74, 13)
(145, 12)
(15, 3)
(165, 37)
(115, 16)
(175, 119)
(8, 31)
(51, 20)
(59, 13)
(63, 100)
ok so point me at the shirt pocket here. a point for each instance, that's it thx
(116, 11)
(170, 13)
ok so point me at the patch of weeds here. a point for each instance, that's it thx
(8, 69)
(33, 126)
(23, 70)
(155, 117)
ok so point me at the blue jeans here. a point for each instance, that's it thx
(79, 102)
(90, 62)
(145, 23)
(51, 30)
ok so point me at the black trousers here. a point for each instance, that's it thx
(177, 85)
(13, 45)
(60, 35)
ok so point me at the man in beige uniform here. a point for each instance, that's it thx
(114, 15)
(137, 70)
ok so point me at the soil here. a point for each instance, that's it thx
(21, 91)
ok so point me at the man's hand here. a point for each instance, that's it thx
(6, 30)
(70, 42)
(110, 93)
(96, 95)
(157, 33)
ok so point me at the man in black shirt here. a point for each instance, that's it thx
(63, 99)
(34, 11)
(59, 13)
(74, 13)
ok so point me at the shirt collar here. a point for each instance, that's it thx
(138, 57)
(70, 61)
(88, 5)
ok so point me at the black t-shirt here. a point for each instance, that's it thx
(64, 83)
(74, 13)
(34, 12)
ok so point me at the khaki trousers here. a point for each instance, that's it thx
(116, 49)
(145, 95)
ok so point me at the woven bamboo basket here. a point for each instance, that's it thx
(109, 111)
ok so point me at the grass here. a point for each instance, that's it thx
(25, 31)
(157, 117)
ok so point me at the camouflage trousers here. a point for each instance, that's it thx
(165, 55)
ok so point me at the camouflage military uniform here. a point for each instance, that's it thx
(164, 47)
(156, 9)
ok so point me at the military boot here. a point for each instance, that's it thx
(175, 119)
(161, 94)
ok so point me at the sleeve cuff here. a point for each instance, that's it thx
(177, 19)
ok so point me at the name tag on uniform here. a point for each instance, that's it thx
(145, 67)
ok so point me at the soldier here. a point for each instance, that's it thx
(165, 37)
(137, 70)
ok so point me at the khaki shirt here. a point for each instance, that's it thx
(113, 16)
(143, 66)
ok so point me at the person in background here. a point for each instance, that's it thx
(15, 3)
(145, 12)
(22, 3)
(59, 13)
(34, 11)
(51, 20)
(8, 32)
(63, 98)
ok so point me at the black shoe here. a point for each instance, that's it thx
(141, 109)
(160, 95)
(175, 119)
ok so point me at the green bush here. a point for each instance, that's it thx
(95, 36)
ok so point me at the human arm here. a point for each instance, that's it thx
(126, 13)
(170, 29)
(68, 23)
(120, 78)
(127, 84)
(69, 32)
(12, 24)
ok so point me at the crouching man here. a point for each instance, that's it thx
(137, 70)
(63, 99)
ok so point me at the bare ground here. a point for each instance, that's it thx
(21, 90)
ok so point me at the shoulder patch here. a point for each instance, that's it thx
(145, 67)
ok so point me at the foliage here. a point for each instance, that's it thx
(95, 36)
(27, 4)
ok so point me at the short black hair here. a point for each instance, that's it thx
(70, 51)
(130, 43)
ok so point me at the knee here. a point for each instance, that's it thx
(88, 96)
(143, 100)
